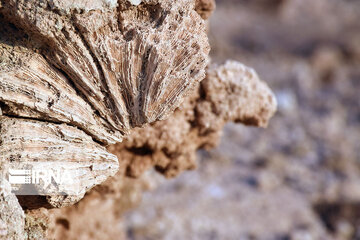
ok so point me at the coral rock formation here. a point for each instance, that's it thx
(231, 92)
(104, 67)
(132, 64)
(77, 76)
(50, 147)
(170, 146)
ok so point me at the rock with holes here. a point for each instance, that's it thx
(236, 93)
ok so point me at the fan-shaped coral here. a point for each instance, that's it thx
(78, 75)
(132, 64)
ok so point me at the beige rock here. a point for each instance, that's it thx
(205, 8)
(230, 92)
(31, 88)
(78, 75)
(89, 71)
(69, 160)
(169, 145)
(236, 93)
(132, 64)
(11, 215)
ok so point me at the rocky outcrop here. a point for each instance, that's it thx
(230, 92)
(132, 64)
(12, 217)
(77, 76)
(170, 146)
(84, 82)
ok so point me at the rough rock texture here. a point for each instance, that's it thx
(205, 8)
(31, 88)
(132, 64)
(302, 174)
(98, 215)
(170, 145)
(231, 92)
(11, 215)
(50, 147)
(84, 74)
(103, 67)
(235, 93)
(36, 224)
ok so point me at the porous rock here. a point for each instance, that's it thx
(105, 69)
(170, 146)
(230, 92)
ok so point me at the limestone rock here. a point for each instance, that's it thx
(237, 94)
(170, 146)
(132, 64)
(11, 215)
(78, 75)
(230, 92)
(74, 163)
(205, 8)
(30, 87)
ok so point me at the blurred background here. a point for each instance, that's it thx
(299, 178)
